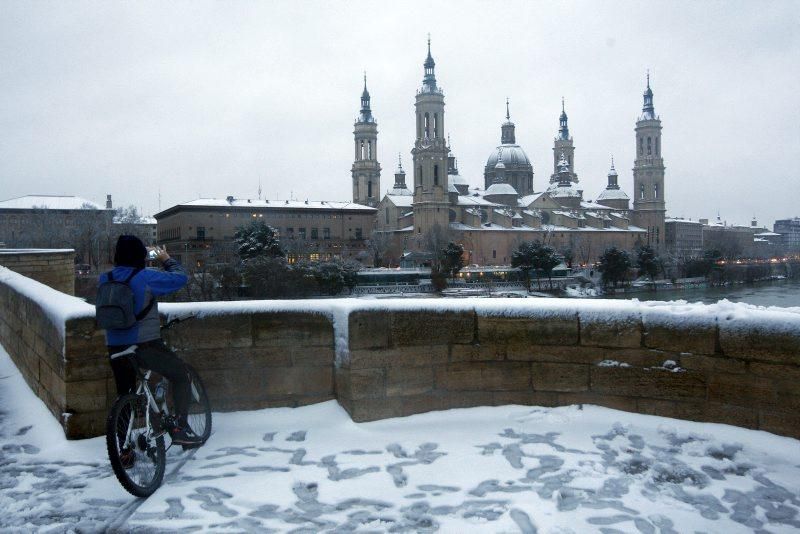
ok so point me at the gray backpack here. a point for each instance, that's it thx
(115, 305)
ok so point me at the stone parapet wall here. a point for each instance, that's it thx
(711, 367)
(54, 268)
(725, 363)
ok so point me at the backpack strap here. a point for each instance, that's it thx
(142, 314)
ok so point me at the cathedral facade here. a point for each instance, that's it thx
(491, 222)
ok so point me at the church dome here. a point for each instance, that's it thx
(512, 155)
(500, 189)
(612, 194)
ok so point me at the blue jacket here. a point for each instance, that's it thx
(146, 285)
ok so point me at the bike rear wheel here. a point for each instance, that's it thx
(135, 449)
(199, 410)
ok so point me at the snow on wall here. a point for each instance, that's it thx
(677, 314)
(58, 306)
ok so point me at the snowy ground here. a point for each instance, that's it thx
(506, 469)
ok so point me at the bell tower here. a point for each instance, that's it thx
(563, 145)
(649, 207)
(430, 155)
(366, 170)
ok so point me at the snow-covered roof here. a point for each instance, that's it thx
(401, 201)
(399, 192)
(457, 179)
(678, 220)
(589, 205)
(465, 200)
(527, 200)
(451, 188)
(282, 204)
(767, 234)
(53, 202)
(500, 189)
(142, 220)
(562, 191)
(612, 194)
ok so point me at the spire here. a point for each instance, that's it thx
(366, 112)
(399, 175)
(399, 164)
(612, 176)
(507, 136)
(563, 129)
(648, 110)
(429, 80)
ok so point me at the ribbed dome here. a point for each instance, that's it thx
(457, 179)
(512, 155)
(562, 191)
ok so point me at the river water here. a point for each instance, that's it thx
(783, 293)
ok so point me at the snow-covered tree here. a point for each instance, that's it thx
(257, 240)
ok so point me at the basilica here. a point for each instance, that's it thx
(490, 222)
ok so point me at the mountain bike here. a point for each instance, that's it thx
(138, 421)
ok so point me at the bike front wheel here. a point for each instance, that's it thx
(135, 449)
(199, 410)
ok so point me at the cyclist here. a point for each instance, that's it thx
(151, 352)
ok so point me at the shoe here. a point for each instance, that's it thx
(184, 436)
(127, 458)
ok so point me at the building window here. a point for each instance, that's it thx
(314, 233)
(369, 189)
(435, 175)
(290, 232)
(494, 254)
(369, 149)
(641, 149)
(649, 146)
(359, 233)
(201, 233)
(386, 214)
(641, 191)
(302, 232)
(658, 146)
(655, 191)
(435, 125)
(326, 233)
(427, 126)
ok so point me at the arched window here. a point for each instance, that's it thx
(649, 146)
(569, 160)
(363, 151)
(641, 191)
(427, 126)
(655, 191)
(419, 175)
(419, 126)
(641, 150)
(435, 175)
(658, 146)
(369, 150)
(369, 189)
(435, 125)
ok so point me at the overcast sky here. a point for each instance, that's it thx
(206, 99)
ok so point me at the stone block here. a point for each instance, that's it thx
(56, 387)
(214, 332)
(653, 383)
(299, 381)
(367, 383)
(89, 369)
(775, 371)
(408, 328)
(368, 329)
(560, 376)
(403, 381)
(373, 409)
(616, 402)
(85, 424)
(780, 422)
(523, 332)
(525, 398)
(237, 358)
(700, 411)
(742, 390)
(87, 396)
(291, 329)
(711, 364)
(483, 376)
(556, 354)
(611, 331)
(476, 352)
(422, 403)
(752, 343)
(468, 399)
(401, 356)
(316, 356)
(306, 400)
